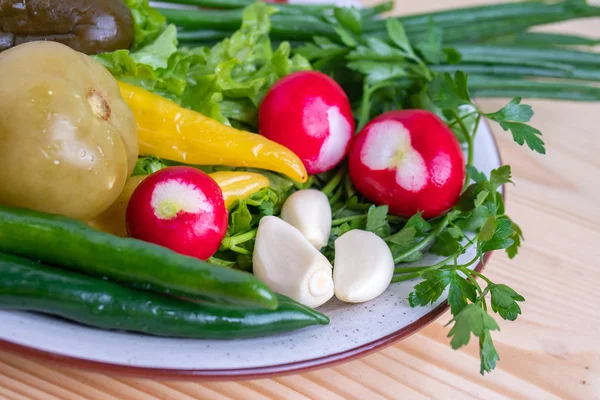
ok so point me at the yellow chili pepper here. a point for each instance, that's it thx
(236, 185)
(175, 133)
(239, 185)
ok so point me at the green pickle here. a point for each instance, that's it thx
(88, 26)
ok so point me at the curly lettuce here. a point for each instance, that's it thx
(226, 82)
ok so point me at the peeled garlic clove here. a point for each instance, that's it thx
(363, 267)
(285, 260)
(309, 211)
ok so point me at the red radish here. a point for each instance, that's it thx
(409, 160)
(181, 208)
(309, 113)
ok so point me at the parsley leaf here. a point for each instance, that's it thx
(474, 220)
(431, 48)
(487, 231)
(377, 221)
(397, 34)
(323, 48)
(499, 204)
(480, 198)
(466, 202)
(450, 93)
(499, 177)
(512, 117)
(378, 71)
(460, 291)
(346, 36)
(487, 353)
(445, 245)
(455, 232)
(500, 238)
(416, 226)
(516, 236)
(475, 175)
(404, 238)
(472, 319)
(447, 92)
(428, 291)
(513, 111)
(397, 251)
(504, 301)
(349, 18)
(523, 133)
(418, 222)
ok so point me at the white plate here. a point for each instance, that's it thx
(354, 330)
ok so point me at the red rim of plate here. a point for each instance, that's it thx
(243, 373)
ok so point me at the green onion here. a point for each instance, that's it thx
(229, 20)
(521, 71)
(224, 4)
(535, 94)
(490, 86)
(289, 27)
(201, 36)
(518, 54)
(500, 59)
(480, 14)
(545, 39)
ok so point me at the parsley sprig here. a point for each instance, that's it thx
(393, 74)
(480, 210)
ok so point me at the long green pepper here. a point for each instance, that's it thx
(58, 240)
(30, 286)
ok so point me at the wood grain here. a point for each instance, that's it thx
(551, 352)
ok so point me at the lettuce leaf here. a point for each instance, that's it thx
(226, 82)
(147, 23)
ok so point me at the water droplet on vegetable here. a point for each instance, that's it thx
(56, 162)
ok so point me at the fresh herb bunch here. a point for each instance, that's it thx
(503, 58)
(393, 64)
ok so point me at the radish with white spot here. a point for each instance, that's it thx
(181, 208)
(409, 160)
(309, 113)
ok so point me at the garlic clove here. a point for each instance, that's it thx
(285, 260)
(309, 211)
(363, 267)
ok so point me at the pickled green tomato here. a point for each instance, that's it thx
(68, 141)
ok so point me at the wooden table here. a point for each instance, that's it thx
(551, 352)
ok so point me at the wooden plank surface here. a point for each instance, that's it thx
(551, 352)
